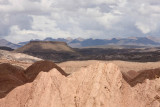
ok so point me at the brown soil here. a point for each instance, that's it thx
(124, 66)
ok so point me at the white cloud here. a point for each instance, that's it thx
(147, 18)
(108, 20)
(147, 25)
(74, 18)
(144, 27)
(18, 35)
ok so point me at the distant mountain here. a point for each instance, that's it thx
(59, 39)
(155, 39)
(5, 43)
(139, 41)
(48, 50)
(39, 46)
(80, 42)
(24, 43)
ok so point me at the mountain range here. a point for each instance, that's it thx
(90, 42)
(80, 42)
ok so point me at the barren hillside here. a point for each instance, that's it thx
(97, 85)
(8, 55)
(12, 76)
(124, 66)
(18, 59)
(55, 51)
(40, 46)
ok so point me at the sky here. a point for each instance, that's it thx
(22, 20)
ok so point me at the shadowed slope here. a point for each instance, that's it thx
(10, 77)
(84, 88)
(142, 76)
(13, 76)
(32, 71)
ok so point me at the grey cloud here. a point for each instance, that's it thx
(92, 18)
(4, 2)
(22, 20)
(35, 0)
(4, 30)
(105, 8)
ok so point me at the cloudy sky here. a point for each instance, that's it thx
(23, 20)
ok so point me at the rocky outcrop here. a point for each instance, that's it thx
(45, 66)
(10, 77)
(98, 85)
(13, 76)
(10, 55)
(90, 86)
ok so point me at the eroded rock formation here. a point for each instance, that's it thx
(98, 85)
(12, 76)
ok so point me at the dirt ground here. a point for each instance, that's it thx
(71, 66)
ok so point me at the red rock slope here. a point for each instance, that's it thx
(12, 76)
(98, 85)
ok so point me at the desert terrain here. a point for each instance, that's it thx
(28, 81)
(60, 52)
(80, 53)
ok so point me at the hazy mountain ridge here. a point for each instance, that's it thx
(90, 42)
(80, 42)
(6, 43)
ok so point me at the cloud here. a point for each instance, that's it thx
(147, 21)
(28, 19)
